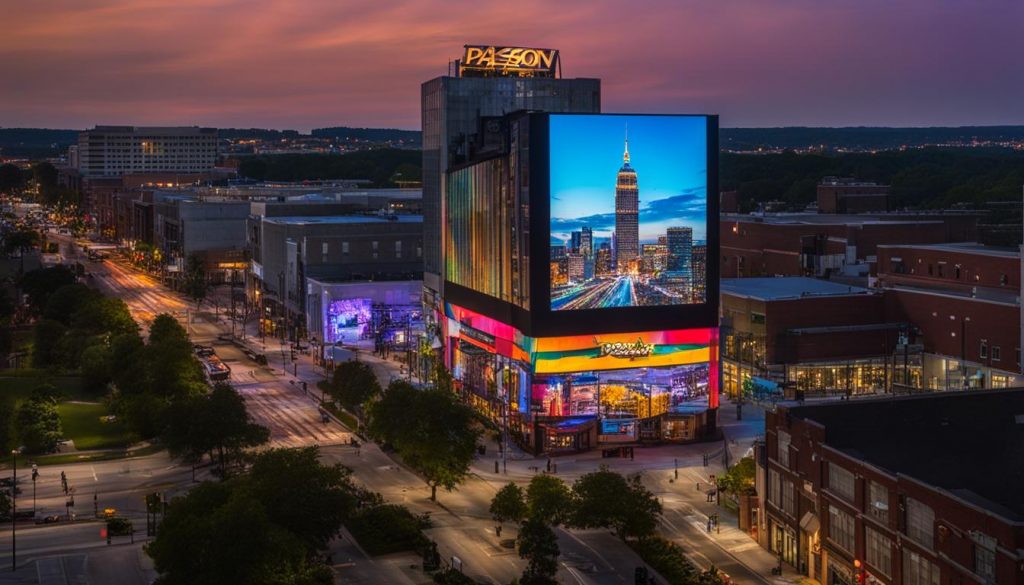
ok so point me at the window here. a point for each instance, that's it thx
(918, 570)
(788, 497)
(773, 488)
(419, 251)
(983, 350)
(997, 353)
(757, 318)
(398, 249)
(840, 528)
(878, 502)
(1003, 280)
(840, 481)
(784, 448)
(375, 245)
(344, 248)
(984, 555)
(879, 550)
(920, 523)
(930, 270)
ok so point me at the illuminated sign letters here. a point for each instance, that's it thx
(621, 349)
(513, 61)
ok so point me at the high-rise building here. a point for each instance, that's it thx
(680, 251)
(452, 109)
(586, 241)
(627, 215)
(699, 271)
(114, 151)
(574, 242)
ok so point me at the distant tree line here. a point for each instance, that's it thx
(17, 181)
(923, 178)
(344, 133)
(861, 137)
(382, 166)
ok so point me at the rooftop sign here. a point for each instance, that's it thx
(492, 61)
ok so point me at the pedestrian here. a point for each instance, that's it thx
(630, 453)
(497, 530)
(709, 525)
(549, 465)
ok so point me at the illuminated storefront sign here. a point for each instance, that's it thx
(483, 60)
(626, 350)
(582, 353)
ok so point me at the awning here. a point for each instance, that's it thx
(809, 523)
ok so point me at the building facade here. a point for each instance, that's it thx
(114, 151)
(896, 491)
(559, 379)
(452, 109)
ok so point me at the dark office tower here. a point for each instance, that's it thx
(627, 215)
(680, 253)
(698, 264)
(587, 241)
(452, 107)
(574, 242)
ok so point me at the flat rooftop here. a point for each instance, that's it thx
(786, 287)
(810, 218)
(962, 248)
(342, 219)
(970, 444)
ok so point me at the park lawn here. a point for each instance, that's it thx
(82, 423)
(20, 385)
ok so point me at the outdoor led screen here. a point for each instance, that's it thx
(629, 211)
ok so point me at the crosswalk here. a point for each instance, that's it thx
(292, 418)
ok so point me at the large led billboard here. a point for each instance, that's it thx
(629, 211)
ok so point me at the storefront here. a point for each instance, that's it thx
(561, 394)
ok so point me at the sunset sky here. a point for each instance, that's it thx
(311, 63)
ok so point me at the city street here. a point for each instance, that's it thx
(461, 523)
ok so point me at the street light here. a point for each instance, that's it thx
(14, 509)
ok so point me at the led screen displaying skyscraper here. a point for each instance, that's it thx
(636, 186)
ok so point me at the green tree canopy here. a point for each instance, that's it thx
(538, 544)
(508, 505)
(263, 527)
(605, 499)
(40, 284)
(216, 423)
(38, 424)
(353, 384)
(549, 499)
(433, 432)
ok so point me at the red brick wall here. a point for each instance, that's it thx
(975, 269)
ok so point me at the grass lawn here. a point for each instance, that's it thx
(82, 422)
(20, 386)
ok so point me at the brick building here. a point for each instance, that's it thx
(965, 300)
(848, 195)
(921, 489)
(816, 335)
(807, 244)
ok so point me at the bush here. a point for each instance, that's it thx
(387, 529)
(666, 557)
(452, 577)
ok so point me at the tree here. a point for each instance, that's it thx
(95, 367)
(739, 479)
(196, 284)
(434, 433)
(353, 384)
(548, 498)
(39, 284)
(538, 544)
(222, 534)
(508, 504)
(605, 499)
(12, 179)
(38, 424)
(66, 301)
(46, 337)
(19, 241)
(263, 527)
(217, 423)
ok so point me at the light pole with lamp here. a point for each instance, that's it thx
(14, 510)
